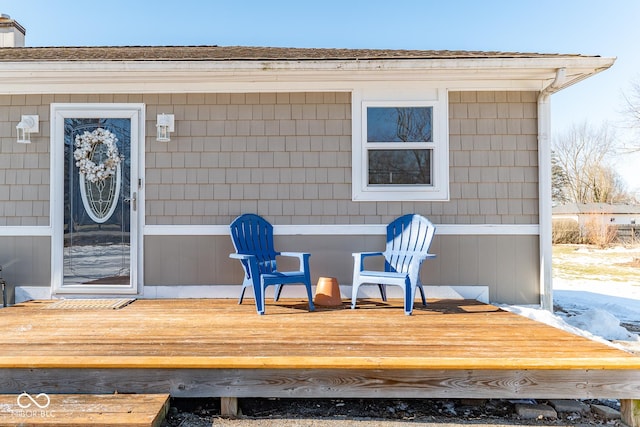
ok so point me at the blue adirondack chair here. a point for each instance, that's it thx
(408, 241)
(252, 238)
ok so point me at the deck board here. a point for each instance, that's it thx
(221, 334)
(115, 410)
(217, 348)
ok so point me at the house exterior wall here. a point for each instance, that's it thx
(601, 218)
(493, 158)
(287, 156)
(506, 264)
(25, 260)
(24, 168)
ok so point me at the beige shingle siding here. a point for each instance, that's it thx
(284, 155)
(493, 152)
(287, 156)
(24, 168)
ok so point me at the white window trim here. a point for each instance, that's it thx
(439, 191)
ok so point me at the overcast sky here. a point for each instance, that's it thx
(592, 27)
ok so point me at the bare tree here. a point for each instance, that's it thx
(585, 156)
(632, 111)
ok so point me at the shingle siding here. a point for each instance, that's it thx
(272, 152)
(281, 152)
(24, 168)
(493, 147)
(287, 156)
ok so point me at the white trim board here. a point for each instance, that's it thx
(19, 230)
(346, 230)
(303, 230)
(27, 293)
(241, 76)
(475, 292)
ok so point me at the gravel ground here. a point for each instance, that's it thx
(373, 412)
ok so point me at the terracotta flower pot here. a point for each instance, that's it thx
(327, 292)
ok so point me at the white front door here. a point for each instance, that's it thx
(95, 199)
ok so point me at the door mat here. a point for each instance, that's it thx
(90, 304)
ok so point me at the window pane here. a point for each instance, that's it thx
(400, 167)
(402, 124)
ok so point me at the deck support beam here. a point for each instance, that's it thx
(630, 412)
(334, 383)
(229, 407)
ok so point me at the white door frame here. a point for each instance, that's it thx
(59, 112)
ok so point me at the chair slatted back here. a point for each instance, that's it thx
(407, 237)
(253, 235)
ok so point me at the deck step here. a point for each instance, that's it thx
(40, 409)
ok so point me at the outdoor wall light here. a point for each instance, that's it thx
(27, 126)
(165, 125)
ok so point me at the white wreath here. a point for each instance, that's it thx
(86, 145)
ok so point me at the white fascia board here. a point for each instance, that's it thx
(266, 67)
(173, 76)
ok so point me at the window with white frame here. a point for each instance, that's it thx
(403, 152)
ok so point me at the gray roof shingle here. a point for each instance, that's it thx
(241, 53)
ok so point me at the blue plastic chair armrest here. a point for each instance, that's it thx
(295, 254)
(302, 256)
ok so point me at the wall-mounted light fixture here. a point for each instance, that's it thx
(165, 125)
(27, 126)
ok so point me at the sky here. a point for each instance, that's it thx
(591, 27)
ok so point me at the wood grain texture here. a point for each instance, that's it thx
(630, 412)
(207, 348)
(330, 383)
(124, 410)
(229, 406)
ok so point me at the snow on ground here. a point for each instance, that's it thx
(602, 310)
(594, 323)
(620, 299)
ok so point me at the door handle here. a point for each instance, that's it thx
(133, 200)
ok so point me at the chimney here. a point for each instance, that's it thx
(11, 33)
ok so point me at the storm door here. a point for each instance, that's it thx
(97, 243)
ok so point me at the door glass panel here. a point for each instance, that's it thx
(97, 246)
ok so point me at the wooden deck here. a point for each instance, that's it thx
(113, 410)
(216, 348)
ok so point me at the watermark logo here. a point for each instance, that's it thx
(33, 406)
(25, 400)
